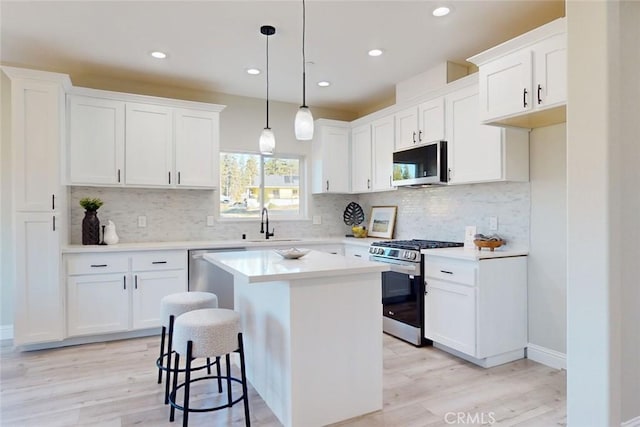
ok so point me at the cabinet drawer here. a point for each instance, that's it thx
(159, 260)
(97, 263)
(450, 270)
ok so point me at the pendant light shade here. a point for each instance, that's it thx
(267, 141)
(267, 138)
(303, 124)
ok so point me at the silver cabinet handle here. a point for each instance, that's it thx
(124, 281)
(420, 136)
(414, 137)
(98, 265)
(178, 177)
(368, 183)
(169, 177)
(327, 185)
(54, 223)
(53, 202)
(446, 272)
(135, 281)
(118, 175)
(158, 262)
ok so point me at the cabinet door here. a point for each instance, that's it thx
(550, 58)
(97, 303)
(331, 160)
(37, 123)
(39, 315)
(361, 159)
(505, 86)
(149, 145)
(450, 315)
(197, 148)
(356, 251)
(474, 150)
(148, 289)
(96, 141)
(431, 121)
(407, 133)
(382, 143)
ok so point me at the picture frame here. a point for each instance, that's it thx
(382, 221)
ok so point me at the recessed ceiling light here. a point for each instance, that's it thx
(441, 11)
(253, 71)
(375, 52)
(158, 55)
(324, 83)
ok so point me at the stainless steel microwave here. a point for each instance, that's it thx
(423, 165)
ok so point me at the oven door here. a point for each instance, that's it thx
(401, 292)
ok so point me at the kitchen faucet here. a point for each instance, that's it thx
(265, 212)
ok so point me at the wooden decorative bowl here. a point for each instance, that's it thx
(491, 244)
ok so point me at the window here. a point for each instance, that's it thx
(249, 182)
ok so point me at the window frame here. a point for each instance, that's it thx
(303, 188)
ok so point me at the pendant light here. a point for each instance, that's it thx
(267, 138)
(303, 124)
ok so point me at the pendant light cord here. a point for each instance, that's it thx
(304, 61)
(267, 82)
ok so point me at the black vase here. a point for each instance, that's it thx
(90, 228)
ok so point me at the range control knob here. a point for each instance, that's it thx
(414, 255)
(380, 251)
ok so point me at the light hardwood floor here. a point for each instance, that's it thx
(114, 384)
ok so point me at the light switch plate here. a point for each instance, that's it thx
(209, 220)
(493, 223)
(469, 232)
(142, 221)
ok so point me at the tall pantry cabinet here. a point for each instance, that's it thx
(34, 201)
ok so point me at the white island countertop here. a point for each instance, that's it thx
(267, 266)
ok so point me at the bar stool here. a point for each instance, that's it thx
(208, 333)
(172, 306)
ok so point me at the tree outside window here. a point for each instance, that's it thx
(249, 182)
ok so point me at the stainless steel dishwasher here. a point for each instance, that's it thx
(206, 277)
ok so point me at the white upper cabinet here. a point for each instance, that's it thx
(330, 157)
(523, 81)
(36, 134)
(421, 124)
(382, 146)
(197, 146)
(149, 145)
(120, 139)
(482, 153)
(361, 159)
(96, 141)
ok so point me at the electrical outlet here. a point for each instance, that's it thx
(209, 220)
(493, 223)
(317, 220)
(142, 221)
(469, 232)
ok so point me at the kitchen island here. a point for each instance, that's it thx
(312, 330)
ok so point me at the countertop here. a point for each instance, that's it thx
(267, 266)
(216, 244)
(474, 254)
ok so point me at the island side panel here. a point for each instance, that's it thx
(265, 314)
(336, 348)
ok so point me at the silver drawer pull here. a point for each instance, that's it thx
(98, 265)
(446, 272)
(158, 262)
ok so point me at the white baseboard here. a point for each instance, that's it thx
(6, 332)
(546, 356)
(634, 422)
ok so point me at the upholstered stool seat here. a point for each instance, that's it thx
(208, 333)
(172, 306)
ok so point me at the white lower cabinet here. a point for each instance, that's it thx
(477, 308)
(357, 251)
(119, 292)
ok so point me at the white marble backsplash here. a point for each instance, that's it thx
(442, 212)
(436, 213)
(178, 215)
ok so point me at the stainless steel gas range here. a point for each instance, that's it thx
(403, 286)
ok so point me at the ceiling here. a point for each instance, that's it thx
(210, 44)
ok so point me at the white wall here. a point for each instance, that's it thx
(547, 267)
(629, 161)
(6, 232)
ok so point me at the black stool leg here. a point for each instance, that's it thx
(208, 366)
(175, 384)
(169, 350)
(164, 331)
(187, 380)
(229, 396)
(218, 371)
(247, 418)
